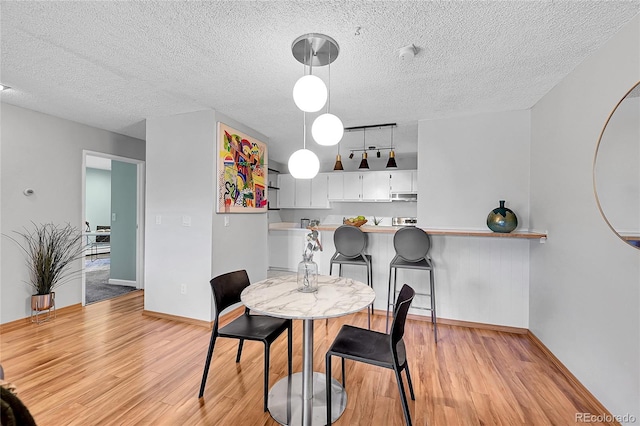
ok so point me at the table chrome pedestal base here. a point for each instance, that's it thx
(285, 400)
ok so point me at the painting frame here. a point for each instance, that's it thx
(241, 172)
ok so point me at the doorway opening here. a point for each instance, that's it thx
(113, 212)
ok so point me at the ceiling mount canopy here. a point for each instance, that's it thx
(315, 50)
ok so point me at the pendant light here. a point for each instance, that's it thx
(364, 164)
(338, 165)
(310, 92)
(304, 164)
(391, 164)
(327, 129)
(310, 95)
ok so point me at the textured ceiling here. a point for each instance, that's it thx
(111, 65)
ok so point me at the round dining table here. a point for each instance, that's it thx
(300, 399)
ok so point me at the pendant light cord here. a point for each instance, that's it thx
(329, 89)
(364, 139)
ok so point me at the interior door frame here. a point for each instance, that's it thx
(140, 185)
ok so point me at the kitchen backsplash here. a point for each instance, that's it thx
(340, 210)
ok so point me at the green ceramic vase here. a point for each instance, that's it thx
(502, 219)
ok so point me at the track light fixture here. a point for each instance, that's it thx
(364, 163)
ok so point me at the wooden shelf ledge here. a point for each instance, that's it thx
(452, 232)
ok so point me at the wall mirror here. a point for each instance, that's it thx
(616, 168)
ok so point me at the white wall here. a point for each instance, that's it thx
(584, 291)
(181, 163)
(242, 244)
(465, 166)
(44, 153)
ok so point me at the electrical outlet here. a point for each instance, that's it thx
(158, 219)
(183, 289)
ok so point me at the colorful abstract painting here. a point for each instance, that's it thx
(242, 172)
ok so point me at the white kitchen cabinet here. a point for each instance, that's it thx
(303, 193)
(352, 188)
(320, 191)
(366, 186)
(285, 249)
(375, 186)
(287, 192)
(404, 181)
(335, 186)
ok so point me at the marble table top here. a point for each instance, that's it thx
(279, 297)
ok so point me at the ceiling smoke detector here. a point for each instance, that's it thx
(407, 53)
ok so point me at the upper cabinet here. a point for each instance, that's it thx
(335, 183)
(375, 186)
(303, 193)
(404, 181)
(320, 191)
(367, 186)
(287, 192)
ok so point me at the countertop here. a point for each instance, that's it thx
(285, 226)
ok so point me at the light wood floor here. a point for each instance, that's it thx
(107, 364)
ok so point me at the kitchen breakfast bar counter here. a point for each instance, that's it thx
(453, 232)
(480, 276)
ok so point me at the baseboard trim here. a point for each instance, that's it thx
(483, 326)
(20, 323)
(178, 318)
(584, 392)
(128, 283)
(458, 323)
(224, 318)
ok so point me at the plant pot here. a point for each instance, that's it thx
(43, 302)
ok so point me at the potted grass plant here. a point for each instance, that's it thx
(51, 251)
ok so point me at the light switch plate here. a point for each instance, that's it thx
(226, 220)
(186, 220)
(158, 219)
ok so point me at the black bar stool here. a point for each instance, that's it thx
(350, 242)
(412, 252)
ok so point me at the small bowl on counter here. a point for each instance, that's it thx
(356, 223)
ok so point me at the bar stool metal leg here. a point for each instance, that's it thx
(432, 294)
(391, 302)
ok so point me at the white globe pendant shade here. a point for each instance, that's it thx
(304, 164)
(327, 130)
(310, 93)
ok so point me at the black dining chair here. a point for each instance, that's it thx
(226, 290)
(375, 348)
